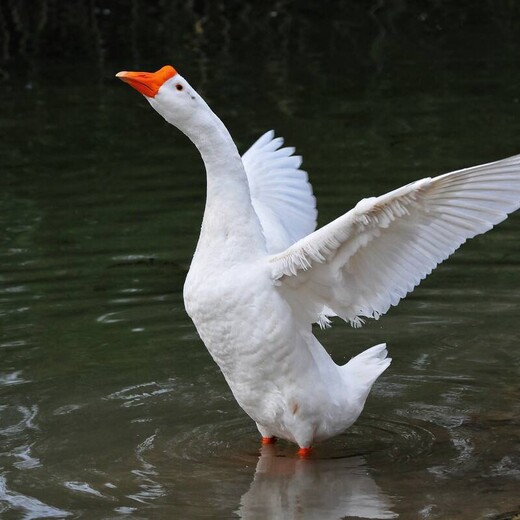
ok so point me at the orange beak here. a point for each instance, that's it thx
(147, 83)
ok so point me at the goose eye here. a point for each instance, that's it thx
(179, 86)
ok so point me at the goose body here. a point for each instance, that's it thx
(261, 275)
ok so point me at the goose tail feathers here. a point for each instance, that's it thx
(361, 372)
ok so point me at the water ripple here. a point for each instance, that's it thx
(27, 460)
(12, 378)
(83, 487)
(28, 414)
(233, 440)
(135, 395)
(31, 507)
(150, 488)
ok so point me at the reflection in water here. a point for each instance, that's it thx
(286, 487)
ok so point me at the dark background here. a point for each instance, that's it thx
(41, 39)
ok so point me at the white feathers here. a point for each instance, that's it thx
(280, 192)
(362, 370)
(368, 259)
(253, 310)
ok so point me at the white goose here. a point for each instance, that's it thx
(261, 276)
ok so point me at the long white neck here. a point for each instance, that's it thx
(230, 224)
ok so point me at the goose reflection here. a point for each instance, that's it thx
(312, 489)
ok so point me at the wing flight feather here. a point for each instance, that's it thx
(368, 259)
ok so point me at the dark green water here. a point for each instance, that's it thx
(110, 405)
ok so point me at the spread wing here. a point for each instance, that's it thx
(368, 259)
(280, 192)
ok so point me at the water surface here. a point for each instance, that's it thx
(110, 405)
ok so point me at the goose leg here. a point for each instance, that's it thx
(267, 437)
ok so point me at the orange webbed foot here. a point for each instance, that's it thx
(304, 452)
(268, 440)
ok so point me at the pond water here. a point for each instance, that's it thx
(110, 405)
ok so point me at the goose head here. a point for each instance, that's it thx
(170, 95)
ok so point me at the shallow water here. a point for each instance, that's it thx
(110, 405)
